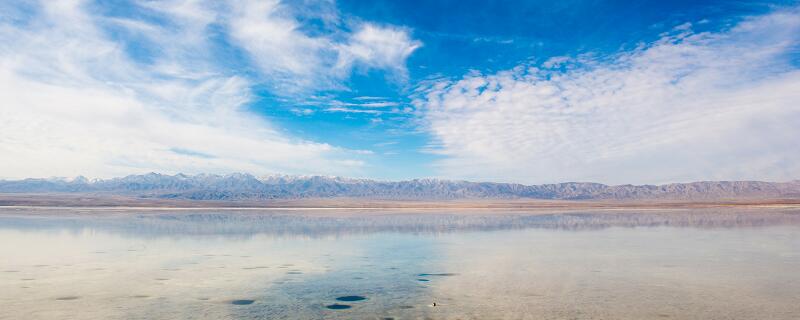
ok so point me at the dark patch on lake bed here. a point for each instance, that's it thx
(351, 298)
(65, 298)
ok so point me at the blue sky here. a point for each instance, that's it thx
(516, 91)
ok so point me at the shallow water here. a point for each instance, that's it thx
(699, 264)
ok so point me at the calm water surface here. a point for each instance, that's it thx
(105, 264)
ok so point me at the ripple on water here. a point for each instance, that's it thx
(242, 302)
(436, 274)
(351, 298)
(256, 267)
(337, 306)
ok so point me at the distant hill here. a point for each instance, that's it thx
(248, 187)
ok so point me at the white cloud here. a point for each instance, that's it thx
(381, 104)
(302, 112)
(378, 47)
(295, 62)
(353, 110)
(690, 106)
(362, 98)
(372, 106)
(272, 38)
(73, 102)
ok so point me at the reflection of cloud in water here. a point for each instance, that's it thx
(296, 223)
(705, 272)
(719, 263)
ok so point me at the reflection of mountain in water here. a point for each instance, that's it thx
(288, 224)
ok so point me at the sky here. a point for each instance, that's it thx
(616, 92)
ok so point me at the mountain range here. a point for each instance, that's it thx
(240, 186)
